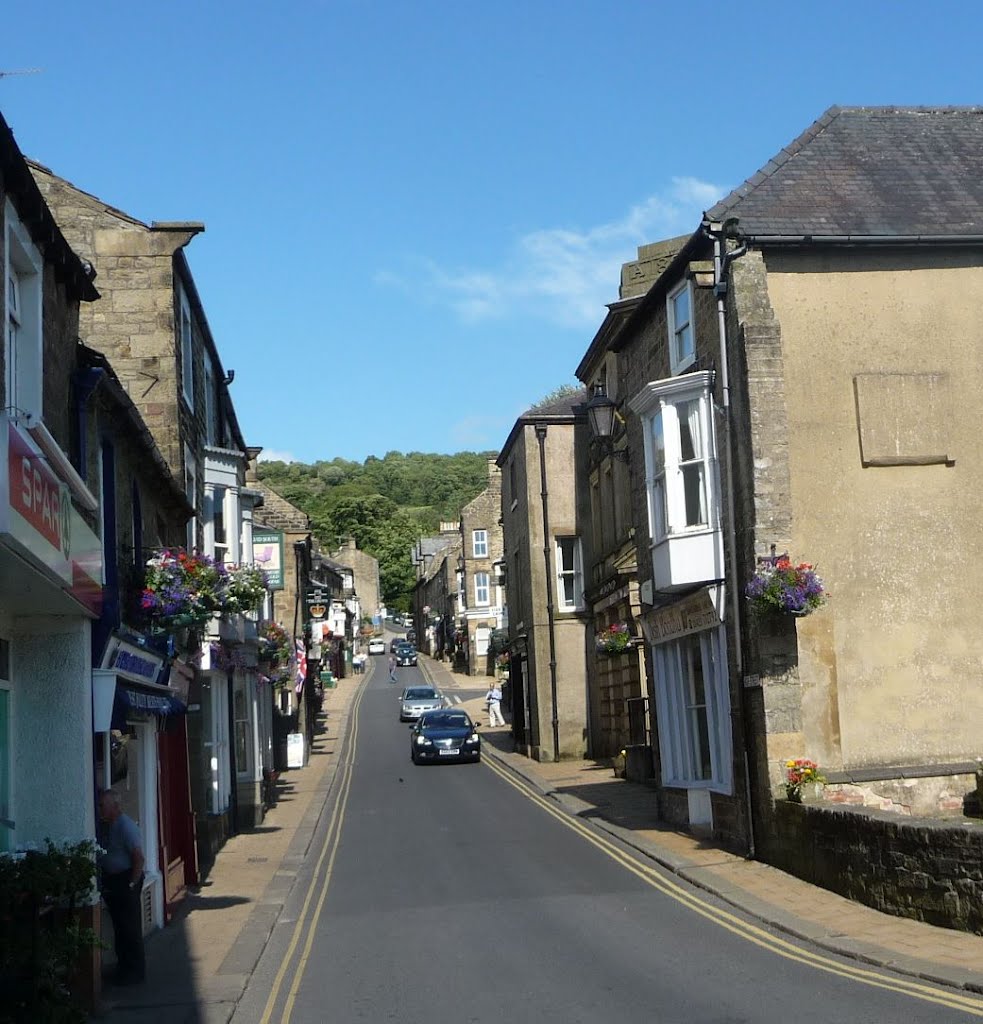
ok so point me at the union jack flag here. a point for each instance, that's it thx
(301, 659)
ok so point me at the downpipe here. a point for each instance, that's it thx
(722, 259)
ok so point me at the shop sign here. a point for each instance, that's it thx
(37, 513)
(268, 556)
(132, 662)
(691, 615)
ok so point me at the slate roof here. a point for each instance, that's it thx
(888, 172)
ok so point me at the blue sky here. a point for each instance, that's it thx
(416, 211)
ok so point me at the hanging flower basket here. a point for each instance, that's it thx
(780, 586)
(181, 591)
(246, 586)
(616, 639)
(275, 645)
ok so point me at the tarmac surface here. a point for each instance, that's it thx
(200, 964)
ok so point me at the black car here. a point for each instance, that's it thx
(447, 735)
(405, 654)
(410, 637)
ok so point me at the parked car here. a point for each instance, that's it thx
(394, 643)
(417, 699)
(377, 645)
(447, 735)
(405, 654)
(410, 636)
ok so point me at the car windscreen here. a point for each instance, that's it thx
(439, 720)
(420, 693)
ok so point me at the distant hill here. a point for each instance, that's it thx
(386, 504)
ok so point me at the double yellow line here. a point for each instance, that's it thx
(311, 911)
(654, 877)
(305, 927)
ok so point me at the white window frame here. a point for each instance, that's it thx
(23, 277)
(191, 491)
(680, 737)
(658, 405)
(186, 336)
(479, 543)
(683, 329)
(574, 572)
(482, 588)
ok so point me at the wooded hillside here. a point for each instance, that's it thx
(385, 504)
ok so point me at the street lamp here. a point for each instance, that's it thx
(601, 414)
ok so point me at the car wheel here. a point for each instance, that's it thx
(413, 757)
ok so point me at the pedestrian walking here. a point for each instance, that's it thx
(392, 668)
(493, 699)
(121, 867)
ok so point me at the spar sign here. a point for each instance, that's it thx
(37, 516)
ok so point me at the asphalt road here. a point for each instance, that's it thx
(443, 893)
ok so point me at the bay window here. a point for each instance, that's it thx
(682, 479)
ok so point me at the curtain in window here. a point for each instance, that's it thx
(691, 462)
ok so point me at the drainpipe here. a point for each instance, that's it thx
(541, 438)
(722, 258)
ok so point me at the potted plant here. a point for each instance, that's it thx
(46, 902)
(799, 772)
(616, 639)
(780, 586)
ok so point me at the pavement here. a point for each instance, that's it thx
(200, 964)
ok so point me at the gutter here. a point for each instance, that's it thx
(880, 240)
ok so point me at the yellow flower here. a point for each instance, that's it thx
(789, 764)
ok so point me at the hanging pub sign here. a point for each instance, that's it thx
(317, 611)
(268, 556)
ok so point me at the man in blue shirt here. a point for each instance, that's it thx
(122, 883)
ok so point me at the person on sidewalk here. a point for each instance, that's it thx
(392, 668)
(493, 698)
(121, 866)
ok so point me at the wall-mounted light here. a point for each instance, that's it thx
(601, 414)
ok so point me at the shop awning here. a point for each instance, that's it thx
(136, 702)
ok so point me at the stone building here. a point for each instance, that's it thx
(152, 327)
(435, 597)
(787, 387)
(480, 606)
(366, 576)
(617, 693)
(543, 559)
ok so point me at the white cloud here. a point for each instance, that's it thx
(563, 275)
(275, 455)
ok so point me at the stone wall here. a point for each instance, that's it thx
(919, 868)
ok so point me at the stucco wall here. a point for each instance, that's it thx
(890, 669)
(52, 729)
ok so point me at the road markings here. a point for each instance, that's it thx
(731, 922)
(306, 919)
(306, 923)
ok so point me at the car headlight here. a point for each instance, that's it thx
(422, 741)
(473, 738)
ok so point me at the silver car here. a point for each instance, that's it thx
(414, 700)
